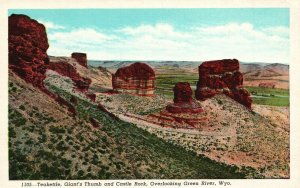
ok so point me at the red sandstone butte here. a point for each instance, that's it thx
(182, 92)
(137, 78)
(80, 58)
(28, 44)
(222, 76)
(183, 102)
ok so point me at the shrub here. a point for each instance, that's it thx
(57, 130)
(11, 133)
(22, 107)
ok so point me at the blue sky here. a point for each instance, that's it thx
(260, 35)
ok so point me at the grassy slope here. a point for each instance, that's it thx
(49, 144)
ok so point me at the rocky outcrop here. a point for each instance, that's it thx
(28, 44)
(94, 123)
(137, 78)
(182, 93)
(222, 76)
(81, 58)
(91, 96)
(183, 101)
(28, 57)
(68, 70)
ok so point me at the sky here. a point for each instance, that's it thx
(200, 34)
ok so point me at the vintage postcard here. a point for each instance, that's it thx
(150, 94)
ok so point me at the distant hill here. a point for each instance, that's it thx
(247, 68)
(154, 64)
(264, 70)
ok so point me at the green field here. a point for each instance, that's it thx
(268, 96)
(165, 83)
(263, 96)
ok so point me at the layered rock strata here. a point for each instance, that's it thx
(222, 76)
(28, 46)
(28, 57)
(137, 78)
(183, 101)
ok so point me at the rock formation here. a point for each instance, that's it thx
(68, 70)
(182, 93)
(28, 46)
(94, 123)
(91, 96)
(28, 57)
(222, 76)
(184, 113)
(80, 58)
(183, 102)
(137, 78)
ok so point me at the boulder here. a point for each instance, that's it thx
(137, 78)
(81, 58)
(222, 76)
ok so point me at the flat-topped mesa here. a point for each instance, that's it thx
(183, 101)
(137, 78)
(222, 76)
(81, 58)
(219, 66)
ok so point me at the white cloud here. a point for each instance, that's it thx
(157, 30)
(51, 25)
(279, 31)
(163, 41)
(80, 36)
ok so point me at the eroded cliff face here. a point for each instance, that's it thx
(137, 78)
(28, 46)
(222, 76)
(66, 69)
